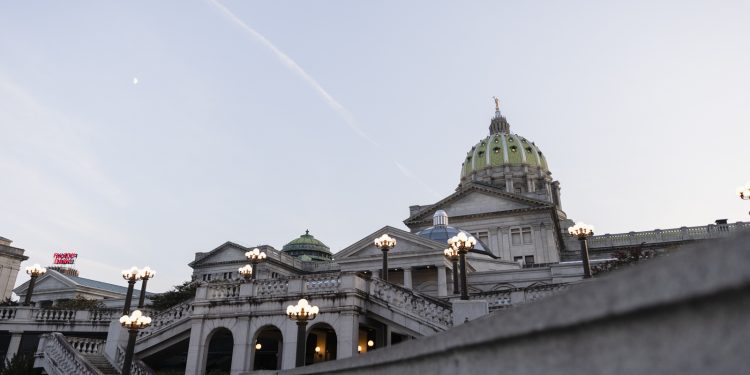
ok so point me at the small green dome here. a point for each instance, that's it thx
(308, 248)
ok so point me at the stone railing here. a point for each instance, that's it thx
(329, 283)
(7, 313)
(58, 357)
(223, 290)
(271, 287)
(412, 304)
(85, 345)
(167, 319)
(55, 315)
(666, 235)
(137, 368)
(500, 299)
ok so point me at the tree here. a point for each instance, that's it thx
(21, 364)
(79, 303)
(180, 293)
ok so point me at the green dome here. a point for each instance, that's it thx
(508, 161)
(500, 149)
(307, 247)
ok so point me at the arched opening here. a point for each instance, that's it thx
(321, 344)
(267, 347)
(219, 359)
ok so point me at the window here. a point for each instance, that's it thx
(482, 236)
(528, 260)
(518, 190)
(518, 259)
(519, 236)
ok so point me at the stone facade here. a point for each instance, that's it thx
(10, 264)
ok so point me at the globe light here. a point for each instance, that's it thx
(744, 191)
(131, 274)
(246, 271)
(385, 242)
(258, 346)
(451, 254)
(146, 273)
(255, 255)
(462, 243)
(36, 270)
(581, 230)
(136, 320)
(370, 343)
(317, 349)
(302, 311)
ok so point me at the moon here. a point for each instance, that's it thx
(135, 80)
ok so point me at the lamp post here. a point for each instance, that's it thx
(246, 272)
(131, 276)
(255, 256)
(452, 255)
(146, 273)
(744, 191)
(34, 272)
(462, 244)
(385, 243)
(301, 313)
(132, 323)
(583, 232)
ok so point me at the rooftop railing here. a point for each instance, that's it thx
(667, 235)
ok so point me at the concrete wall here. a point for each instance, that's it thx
(685, 313)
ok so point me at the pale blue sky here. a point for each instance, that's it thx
(640, 107)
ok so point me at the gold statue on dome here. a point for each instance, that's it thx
(497, 103)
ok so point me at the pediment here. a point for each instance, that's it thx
(52, 280)
(406, 243)
(227, 252)
(476, 199)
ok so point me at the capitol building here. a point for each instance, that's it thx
(506, 198)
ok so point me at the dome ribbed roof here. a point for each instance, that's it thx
(307, 246)
(502, 148)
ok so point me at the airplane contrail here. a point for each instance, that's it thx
(292, 65)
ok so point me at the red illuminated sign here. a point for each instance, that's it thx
(64, 258)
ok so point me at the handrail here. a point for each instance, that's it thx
(62, 358)
(167, 318)
(138, 368)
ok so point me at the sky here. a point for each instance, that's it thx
(141, 132)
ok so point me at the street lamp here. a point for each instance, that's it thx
(132, 323)
(146, 273)
(301, 313)
(452, 255)
(744, 191)
(34, 271)
(131, 276)
(385, 243)
(462, 244)
(255, 256)
(583, 232)
(246, 272)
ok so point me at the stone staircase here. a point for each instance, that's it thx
(101, 363)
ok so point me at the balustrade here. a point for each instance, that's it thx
(138, 367)
(322, 284)
(7, 313)
(56, 315)
(85, 345)
(271, 287)
(167, 318)
(60, 357)
(407, 301)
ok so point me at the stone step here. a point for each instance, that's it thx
(101, 363)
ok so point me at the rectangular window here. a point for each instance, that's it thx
(515, 236)
(528, 260)
(526, 234)
(521, 236)
(483, 236)
(518, 259)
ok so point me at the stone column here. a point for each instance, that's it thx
(15, 343)
(347, 334)
(289, 356)
(442, 282)
(407, 278)
(197, 350)
(243, 345)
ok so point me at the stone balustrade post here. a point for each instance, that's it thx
(25, 313)
(442, 281)
(15, 343)
(246, 289)
(201, 293)
(296, 286)
(407, 278)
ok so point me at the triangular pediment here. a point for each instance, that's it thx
(52, 280)
(406, 243)
(228, 252)
(477, 199)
